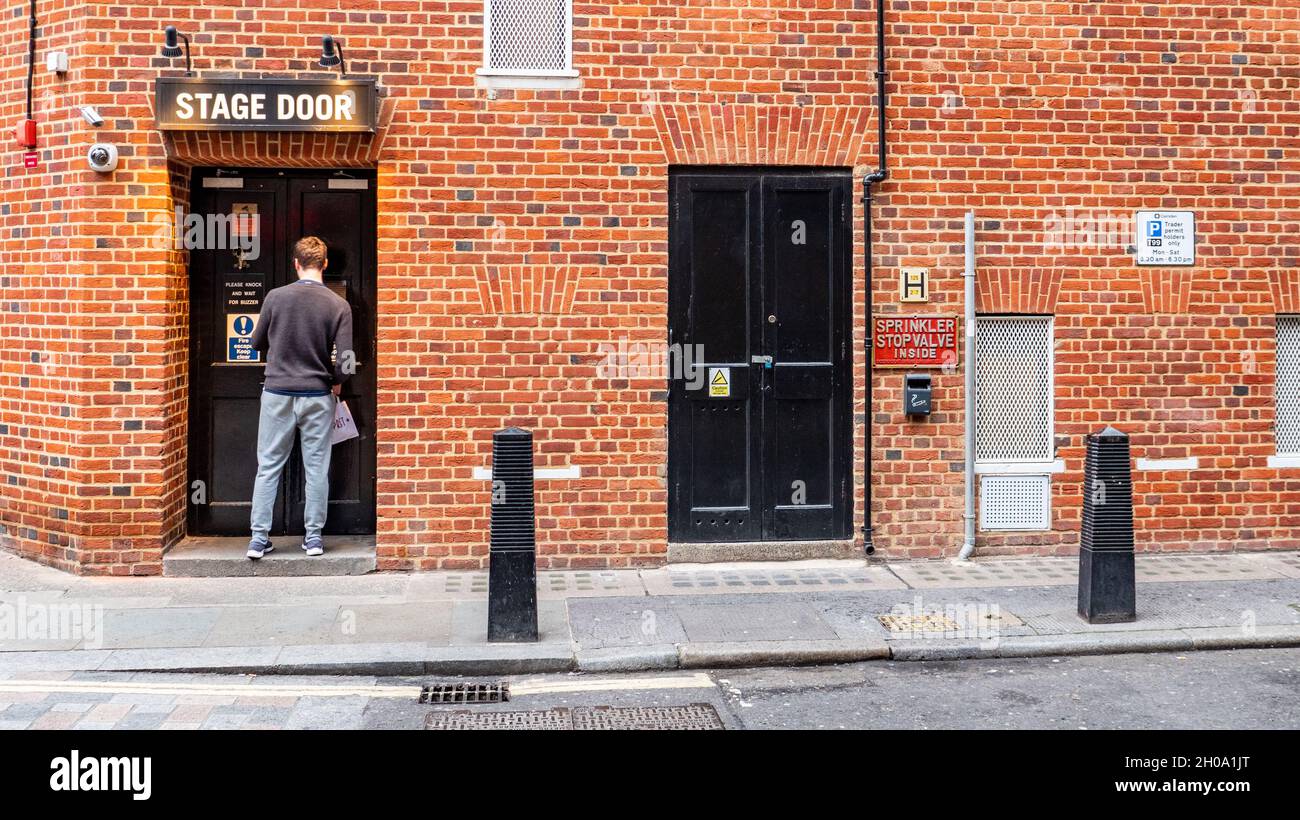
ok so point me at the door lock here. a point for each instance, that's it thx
(771, 318)
(766, 361)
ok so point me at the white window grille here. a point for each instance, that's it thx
(1015, 502)
(1013, 421)
(1013, 389)
(528, 44)
(1287, 387)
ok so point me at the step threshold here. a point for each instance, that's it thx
(215, 557)
(713, 553)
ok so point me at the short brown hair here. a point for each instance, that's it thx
(310, 252)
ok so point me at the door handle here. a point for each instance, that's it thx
(766, 361)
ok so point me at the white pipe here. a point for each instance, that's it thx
(968, 546)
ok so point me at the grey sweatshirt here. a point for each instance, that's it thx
(299, 325)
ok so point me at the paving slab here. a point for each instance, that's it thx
(394, 623)
(275, 626)
(153, 628)
(752, 621)
(624, 622)
(469, 622)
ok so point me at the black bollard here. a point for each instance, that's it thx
(1107, 584)
(512, 568)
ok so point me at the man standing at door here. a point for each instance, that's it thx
(300, 327)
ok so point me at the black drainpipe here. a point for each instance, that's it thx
(31, 56)
(879, 175)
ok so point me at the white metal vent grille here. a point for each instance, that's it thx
(1287, 389)
(1016, 502)
(527, 36)
(1013, 389)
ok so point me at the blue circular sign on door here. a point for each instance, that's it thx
(243, 325)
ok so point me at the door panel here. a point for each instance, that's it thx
(759, 268)
(339, 215)
(806, 441)
(225, 396)
(715, 494)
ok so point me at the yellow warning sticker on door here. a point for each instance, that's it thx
(720, 382)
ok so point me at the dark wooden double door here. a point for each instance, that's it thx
(226, 288)
(760, 305)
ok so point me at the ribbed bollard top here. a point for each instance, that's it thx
(1108, 492)
(513, 524)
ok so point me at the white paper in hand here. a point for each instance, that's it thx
(344, 427)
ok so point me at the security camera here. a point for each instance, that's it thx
(90, 115)
(102, 157)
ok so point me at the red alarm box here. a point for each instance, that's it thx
(25, 133)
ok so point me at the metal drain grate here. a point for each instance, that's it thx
(465, 693)
(926, 622)
(695, 716)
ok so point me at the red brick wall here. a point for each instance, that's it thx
(519, 235)
(1022, 111)
(44, 418)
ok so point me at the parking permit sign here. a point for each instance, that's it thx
(239, 337)
(1165, 237)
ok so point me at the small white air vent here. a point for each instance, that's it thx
(1015, 502)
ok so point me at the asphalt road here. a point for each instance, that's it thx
(1244, 689)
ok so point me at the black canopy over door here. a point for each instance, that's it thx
(226, 291)
(759, 304)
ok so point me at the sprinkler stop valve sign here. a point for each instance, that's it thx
(914, 341)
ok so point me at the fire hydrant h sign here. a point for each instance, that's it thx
(914, 341)
(1166, 237)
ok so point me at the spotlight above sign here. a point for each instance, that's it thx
(197, 104)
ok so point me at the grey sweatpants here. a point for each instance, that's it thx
(311, 418)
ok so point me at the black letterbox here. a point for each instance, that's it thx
(916, 394)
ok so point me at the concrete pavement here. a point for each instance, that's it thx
(680, 617)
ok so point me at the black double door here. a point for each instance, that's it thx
(760, 324)
(227, 285)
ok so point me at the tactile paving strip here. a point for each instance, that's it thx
(1200, 568)
(731, 581)
(1284, 563)
(696, 716)
(583, 582)
(1016, 572)
(1011, 572)
(550, 584)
